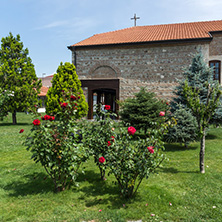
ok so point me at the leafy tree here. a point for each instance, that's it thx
(17, 75)
(202, 109)
(65, 80)
(185, 131)
(4, 97)
(142, 110)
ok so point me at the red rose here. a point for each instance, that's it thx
(150, 149)
(52, 118)
(64, 105)
(109, 143)
(113, 137)
(107, 107)
(162, 113)
(72, 98)
(46, 117)
(102, 159)
(36, 122)
(21, 131)
(131, 130)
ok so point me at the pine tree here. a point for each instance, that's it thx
(142, 110)
(17, 75)
(65, 80)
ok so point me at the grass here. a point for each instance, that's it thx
(26, 192)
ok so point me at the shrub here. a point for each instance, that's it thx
(55, 143)
(98, 136)
(185, 131)
(132, 159)
(142, 110)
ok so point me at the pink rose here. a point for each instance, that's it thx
(131, 130)
(162, 113)
(150, 149)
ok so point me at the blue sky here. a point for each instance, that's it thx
(47, 27)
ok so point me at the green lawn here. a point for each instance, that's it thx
(26, 192)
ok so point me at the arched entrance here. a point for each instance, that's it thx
(104, 91)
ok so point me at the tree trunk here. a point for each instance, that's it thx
(202, 152)
(14, 121)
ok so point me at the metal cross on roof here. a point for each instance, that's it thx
(135, 18)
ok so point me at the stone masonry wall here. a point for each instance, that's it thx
(216, 45)
(156, 67)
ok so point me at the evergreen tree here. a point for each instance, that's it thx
(185, 131)
(17, 75)
(142, 110)
(65, 80)
(198, 73)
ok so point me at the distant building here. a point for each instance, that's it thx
(114, 65)
(46, 84)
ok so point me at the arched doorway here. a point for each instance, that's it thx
(104, 91)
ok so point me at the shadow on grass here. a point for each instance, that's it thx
(101, 192)
(211, 136)
(30, 185)
(175, 170)
(174, 147)
(18, 124)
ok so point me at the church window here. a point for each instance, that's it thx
(216, 65)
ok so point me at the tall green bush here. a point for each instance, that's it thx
(142, 110)
(65, 80)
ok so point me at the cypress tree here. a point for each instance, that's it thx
(65, 80)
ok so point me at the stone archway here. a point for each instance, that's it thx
(104, 70)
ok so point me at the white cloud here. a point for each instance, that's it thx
(52, 25)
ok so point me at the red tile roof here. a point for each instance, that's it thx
(43, 91)
(179, 31)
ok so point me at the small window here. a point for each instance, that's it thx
(216, 65)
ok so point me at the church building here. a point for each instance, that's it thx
(114, 65)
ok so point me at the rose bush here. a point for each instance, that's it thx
(54, 142)
(131, 159)
(99, 137)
